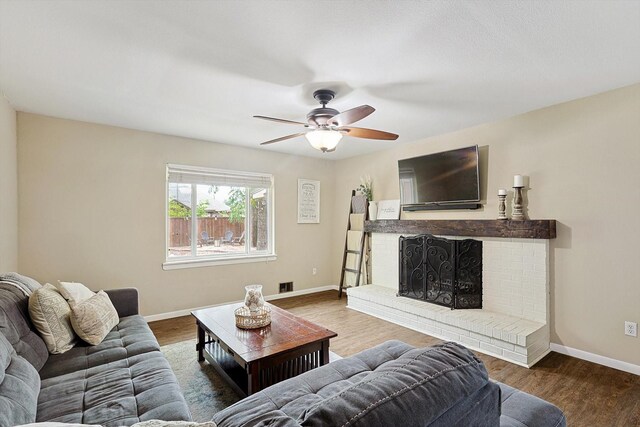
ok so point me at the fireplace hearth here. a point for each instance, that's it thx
(441, 271)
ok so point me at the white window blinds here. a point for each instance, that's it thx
(219, 177)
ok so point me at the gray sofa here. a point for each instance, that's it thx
(122, 381)
(394, 384)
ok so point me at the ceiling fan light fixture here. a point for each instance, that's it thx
(323, 139)
(326, 126)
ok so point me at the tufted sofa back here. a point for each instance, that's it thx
(16, 327)
(19, 387)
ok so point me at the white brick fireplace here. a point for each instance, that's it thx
(514, 321)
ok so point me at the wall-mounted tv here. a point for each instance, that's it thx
(445, 180)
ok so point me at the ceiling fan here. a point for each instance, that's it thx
(326, 126)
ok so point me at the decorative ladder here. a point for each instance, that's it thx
(354, 243)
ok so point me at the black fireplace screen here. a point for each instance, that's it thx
(441, 271)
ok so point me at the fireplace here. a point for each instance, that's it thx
(441, 271)
(513, 323)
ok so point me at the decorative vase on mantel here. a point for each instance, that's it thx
(373, 210)
(253, 299)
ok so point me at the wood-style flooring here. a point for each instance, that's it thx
(589, 394)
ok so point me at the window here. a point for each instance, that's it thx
(216, 216)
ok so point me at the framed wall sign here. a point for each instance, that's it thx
(308, 201)
(389, 209)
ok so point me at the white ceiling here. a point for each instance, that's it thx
(202, 69)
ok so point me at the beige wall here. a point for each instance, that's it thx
(92, 202)
(8, 188)
(92, 209)
(583, 159)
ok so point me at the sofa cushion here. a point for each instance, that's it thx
(16, 326)
(379, 386)
(130, 337)
(437, 377)
(93, 318)
(49, 313)
(137, 388)
(150, 423)
(479, 409)
(292, 397)
(19, 387)
(520, 409)
(163, 423)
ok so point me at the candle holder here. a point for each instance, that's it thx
(502, 206)
(516, 212)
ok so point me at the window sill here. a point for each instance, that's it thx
(195, 263)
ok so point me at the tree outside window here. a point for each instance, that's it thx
(229, 221)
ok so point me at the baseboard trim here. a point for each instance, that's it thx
(187, 311)
(596, 358)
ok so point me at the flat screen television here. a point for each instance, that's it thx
(448, 179)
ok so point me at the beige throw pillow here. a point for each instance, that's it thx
(92, 319)
(74, 292)
(49, 312)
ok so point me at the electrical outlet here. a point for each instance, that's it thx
(631, 328)
(314, 271)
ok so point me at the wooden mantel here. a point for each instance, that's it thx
(528, 229)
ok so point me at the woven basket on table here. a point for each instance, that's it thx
(246, 319)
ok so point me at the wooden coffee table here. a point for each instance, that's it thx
(253, 359)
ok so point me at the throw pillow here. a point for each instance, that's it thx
(74, 292)
(92, 319)
(49, 312)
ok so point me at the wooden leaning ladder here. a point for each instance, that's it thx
(352, 265)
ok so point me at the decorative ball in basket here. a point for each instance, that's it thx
(253, 299)
(253, 314)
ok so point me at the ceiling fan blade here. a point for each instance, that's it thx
(273, 119)
(351, 116)
(368, 133)
(282, 138)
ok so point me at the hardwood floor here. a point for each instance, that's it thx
(589, 394)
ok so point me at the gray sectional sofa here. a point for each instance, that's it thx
(394, 384)
(126, 379)
(122, 381)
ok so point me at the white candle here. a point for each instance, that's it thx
(502, 192)
(518, 181)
